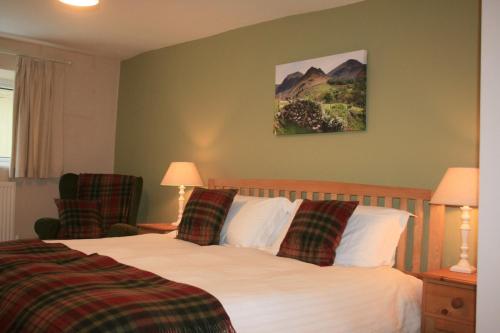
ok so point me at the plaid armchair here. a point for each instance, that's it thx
(119, 198)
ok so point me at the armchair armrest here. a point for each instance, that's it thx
(122, 229)
(47, 228)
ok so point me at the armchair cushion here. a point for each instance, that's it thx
(79, 219)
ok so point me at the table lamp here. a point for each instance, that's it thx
(181, 174)
(459, 187)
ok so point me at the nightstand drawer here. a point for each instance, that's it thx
(450, 302)
(436, 325)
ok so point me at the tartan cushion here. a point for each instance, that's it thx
(204, 215)
(316, 231)
(114, 192)
(79, 219)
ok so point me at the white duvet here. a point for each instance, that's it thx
(264, 293)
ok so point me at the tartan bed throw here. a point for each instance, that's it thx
(114, 192)
(51, 288)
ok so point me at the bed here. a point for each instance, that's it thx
(261, 292)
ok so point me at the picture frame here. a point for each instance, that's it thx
(321, 95)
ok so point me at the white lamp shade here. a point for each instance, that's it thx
(459, 187)
(182, 173)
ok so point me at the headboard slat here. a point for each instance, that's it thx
(401, 251)
(436, 237)
(418, 227)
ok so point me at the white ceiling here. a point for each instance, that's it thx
(124, 28)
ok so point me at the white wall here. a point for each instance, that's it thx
(488, 301)
(90, 104)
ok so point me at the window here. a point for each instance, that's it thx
(6, 113)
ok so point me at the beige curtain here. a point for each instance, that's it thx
(37, 140)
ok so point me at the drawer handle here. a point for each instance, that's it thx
(457, 303)
(444, 312)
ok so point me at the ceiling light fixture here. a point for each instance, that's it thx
(80, 3)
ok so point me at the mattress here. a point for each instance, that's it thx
(264, 293)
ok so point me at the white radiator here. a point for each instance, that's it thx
(7, 206)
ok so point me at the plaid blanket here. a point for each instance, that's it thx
(51, 288)
(114, 192)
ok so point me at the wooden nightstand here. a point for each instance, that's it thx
(157, 228)
(449, 302)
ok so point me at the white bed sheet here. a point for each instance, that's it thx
(264, 293)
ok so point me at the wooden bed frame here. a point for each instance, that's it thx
(413, 245)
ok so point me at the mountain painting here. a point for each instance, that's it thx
(321, 95)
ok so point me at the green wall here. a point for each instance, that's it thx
(211, 101)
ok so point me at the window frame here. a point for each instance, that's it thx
(6, 84)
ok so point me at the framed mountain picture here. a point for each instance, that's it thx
(321, 95)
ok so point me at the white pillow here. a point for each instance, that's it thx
(371, 237)
(172, 234)
(255, 222)
(275, 247)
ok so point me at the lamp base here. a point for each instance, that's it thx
(463, 266)
(181, 205)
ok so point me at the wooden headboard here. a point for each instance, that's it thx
(428, 219)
